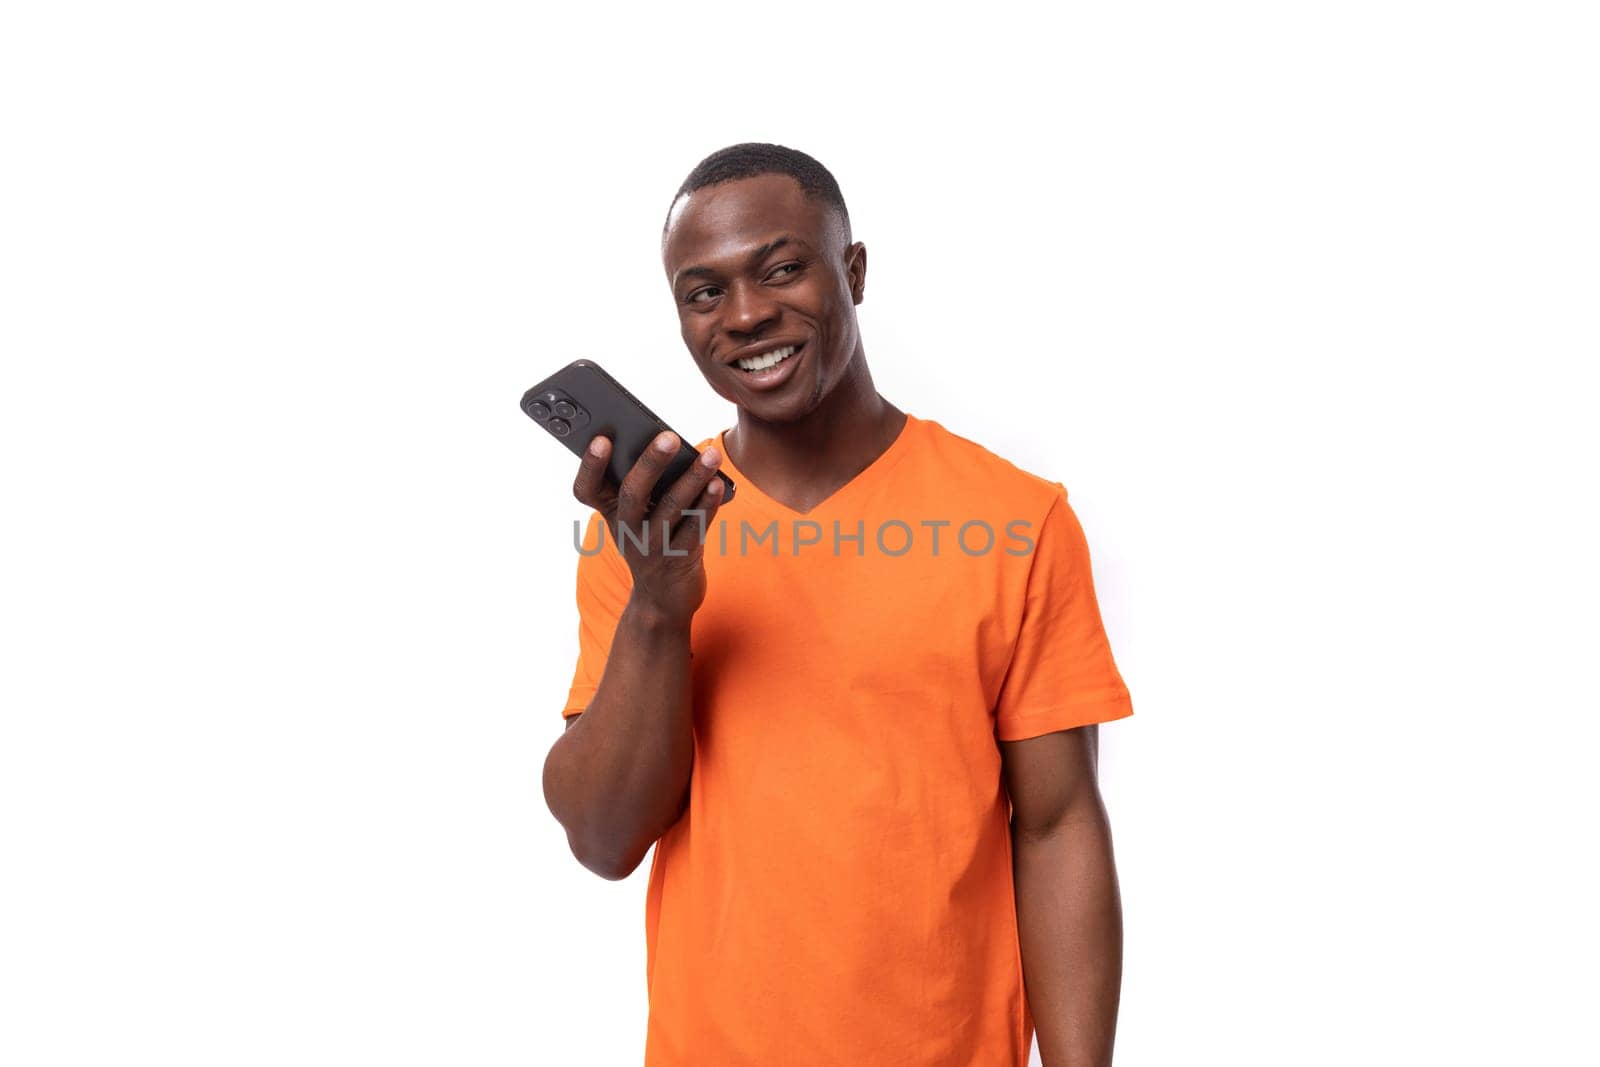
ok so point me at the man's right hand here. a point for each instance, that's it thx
(671, 584)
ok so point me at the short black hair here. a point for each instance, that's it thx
(752, 158)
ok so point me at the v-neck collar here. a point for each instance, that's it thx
(871, 473)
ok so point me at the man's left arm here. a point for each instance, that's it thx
(1069, 907)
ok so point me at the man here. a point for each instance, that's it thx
(858, 730)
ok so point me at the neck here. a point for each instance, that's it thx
(813, 455)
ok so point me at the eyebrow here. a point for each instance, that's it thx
(755, 256)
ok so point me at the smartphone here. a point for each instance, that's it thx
(581, 401)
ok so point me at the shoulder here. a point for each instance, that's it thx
(966, 465)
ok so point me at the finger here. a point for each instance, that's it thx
(695, 529)
(686, 490)
(633, 497)
(590, 484)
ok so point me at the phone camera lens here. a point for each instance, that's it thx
(539, 410)
(559, 427)
(564, 409)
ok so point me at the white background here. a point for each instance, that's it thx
(1299, 301)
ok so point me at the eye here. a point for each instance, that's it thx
(707, 292)
(785, 270)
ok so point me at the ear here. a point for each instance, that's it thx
(855, 261)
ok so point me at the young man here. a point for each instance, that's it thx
(857, 727)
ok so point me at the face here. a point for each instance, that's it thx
(757, 270)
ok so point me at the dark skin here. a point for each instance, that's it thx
(1069, 905)
(751, 264)
(756, 262)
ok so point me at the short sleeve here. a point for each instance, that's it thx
(604, 584)
(1062, 674)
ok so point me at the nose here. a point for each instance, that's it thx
(748, 308)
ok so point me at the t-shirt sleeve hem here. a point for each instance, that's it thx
(1064, 717)
(578, 700)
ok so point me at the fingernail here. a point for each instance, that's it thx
(715, 488)
(597, 447)
(664, 442)
(711, 457)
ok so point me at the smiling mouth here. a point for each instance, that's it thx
(767, 360)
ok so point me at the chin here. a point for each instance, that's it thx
(805, 399)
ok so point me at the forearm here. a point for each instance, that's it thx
(616, 780)
(1069, 918)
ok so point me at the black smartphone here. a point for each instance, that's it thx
(581, 401)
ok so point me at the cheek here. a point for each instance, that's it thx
(836, 319)
(696, 331)
(818, 306)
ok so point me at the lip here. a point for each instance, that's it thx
(762, 381)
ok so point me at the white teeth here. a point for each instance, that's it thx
(767, 359)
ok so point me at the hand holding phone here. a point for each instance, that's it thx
(671, 583)
(638, 474)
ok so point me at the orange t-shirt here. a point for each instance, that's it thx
(839, 889)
